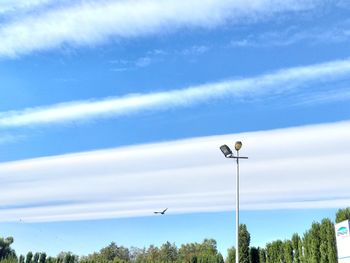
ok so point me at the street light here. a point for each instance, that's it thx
(228, 154)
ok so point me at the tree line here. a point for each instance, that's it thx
(317, 245)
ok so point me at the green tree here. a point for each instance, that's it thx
(42, 258)
(5, 248)
(188, 252)
(50, 260)
(254, 255)
(69, 257)
(137, 255)
(168, 252)
(274, 252)
(21, 259)
(342, 214)
(193, 259)
(219, 258)
(10, 259)
(312, 242)
(288, 251)
(153, 254)
(231, 255)
(295, 245)
(112, 252)
(29, 257)
(36, 257)
(209, 246)
(262, 255)
(328, 249)
(301, 251)
(244, 242)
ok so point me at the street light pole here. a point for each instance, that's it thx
(228, 154)
(237, 209)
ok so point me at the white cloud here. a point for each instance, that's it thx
(7, 6)
(195, 50)
(304, 167)
(272, 84)
(92, 22)
(6, 138)
(333, 33)
(143, 62)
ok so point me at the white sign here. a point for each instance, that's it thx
(342, 233)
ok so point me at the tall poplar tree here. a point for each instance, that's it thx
(254, 255)
(295, 245)
(288, 251)
(328, 247)
(244, 242)
(231, 255)
(29, 257)
(262, 255)
(314, 243)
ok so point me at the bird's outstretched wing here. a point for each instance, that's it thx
(161, 212)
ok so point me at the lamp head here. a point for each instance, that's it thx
(238, 145)
(226, 150)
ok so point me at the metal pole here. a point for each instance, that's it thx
(237, 210)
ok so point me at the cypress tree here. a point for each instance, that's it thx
(219, 258)
(42, 258)
(231, 255)
(254, 255)
(315, 242)
(328, 247)
(244, 241)
(288, 251)
(262, 255)
(29, 257)
(36, 258)
(295, 247)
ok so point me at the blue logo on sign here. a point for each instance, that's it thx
(342, 231)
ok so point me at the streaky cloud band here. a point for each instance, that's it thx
(275, 83)
(88, 23)
(303, 167)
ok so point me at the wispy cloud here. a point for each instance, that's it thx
(120, 65)
(143, 62)
(279, 83)
(156, 56)
(195, 50)
(295, 171)
(89, 23)
(336, 33)
(8, 138)
(8, 6)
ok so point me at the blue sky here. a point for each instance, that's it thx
(112, 109)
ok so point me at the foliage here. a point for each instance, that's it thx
(296, 242)
(262, 255)
(5, 250)
(10, 259)
(231, 255)
(328, 252)
(274, 252)
(244, 242)
(342, 214)
(288, 251)
(254, 255)
(29, 257)
(317, 245)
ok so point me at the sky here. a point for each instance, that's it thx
(111, 110)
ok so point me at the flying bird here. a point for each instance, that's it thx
(162, 212)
